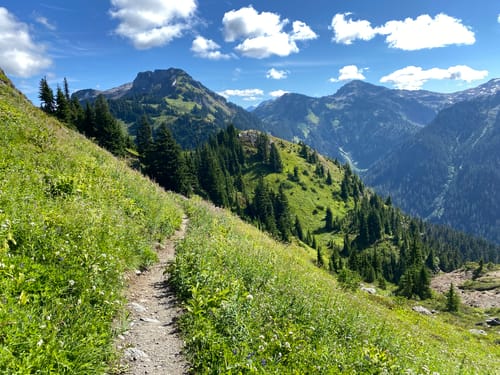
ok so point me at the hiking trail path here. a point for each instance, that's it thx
(152, 345)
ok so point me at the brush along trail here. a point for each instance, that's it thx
(152, 345)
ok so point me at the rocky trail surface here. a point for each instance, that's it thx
(152, 345)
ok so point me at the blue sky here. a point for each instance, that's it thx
(253, 51)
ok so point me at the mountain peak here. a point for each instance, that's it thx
(159, 81)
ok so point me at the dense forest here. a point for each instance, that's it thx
(371, 239)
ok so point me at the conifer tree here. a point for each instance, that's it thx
(329, 220)
(452, 299)
(275, 159)
(319, 257)
(46, 96)
(144, 141)
(63, 111)
(168, 165)
(263, 207)
(109, 134)
(66, 89)
(299, 232)
(329, 179)
(282, 214)
(263, 148)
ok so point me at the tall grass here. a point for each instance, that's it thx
(257, 306)
(72, 220)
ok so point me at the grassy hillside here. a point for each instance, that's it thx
(72, 220)
(254, 305)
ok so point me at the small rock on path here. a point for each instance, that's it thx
(152, 344)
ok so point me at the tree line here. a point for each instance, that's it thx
(379, 244)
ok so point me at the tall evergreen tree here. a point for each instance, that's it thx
(263, 207)
(144, 141)
(168, 165)
(63, 110)
(66, 89)
(110, 134)
(452, 299)
(263, 148)
(329, 220)
(46, 96)
(275, 161)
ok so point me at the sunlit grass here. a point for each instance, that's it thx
(255, 305)
(72, 220)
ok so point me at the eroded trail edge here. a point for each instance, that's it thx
(152, 344)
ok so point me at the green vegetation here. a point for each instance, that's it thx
(254, 305)
(72, 220)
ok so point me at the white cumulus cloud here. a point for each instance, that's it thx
(498, 18)
(278, 93)
(152, 23)
(349, 72)
(346, 30)
(207, 49)
(414, 77)
(276, 74)
(19, 54)
(262, 34)
(410, 34)
(246, 94)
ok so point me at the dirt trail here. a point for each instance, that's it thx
(152, 344)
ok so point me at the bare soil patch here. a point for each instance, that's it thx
(476, 298)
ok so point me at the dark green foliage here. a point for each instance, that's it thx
(478, 271)
(329, 220)
(63, 106)
(144, 142)
(275, 159)
(109, 132)
(262, 148)
(452, 299)
(46, 95)
(298, 231)
(415, 282)
(168, 166)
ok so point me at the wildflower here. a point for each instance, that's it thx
(261, 337)
(71, 282)
(287, 345)
(40, 342)
(249, 297)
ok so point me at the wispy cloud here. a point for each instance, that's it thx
(414, 77)
(20, 55)
(262, 34)
(410, 34)
(45, 22)
(152, 23)
(245, 94)
(349, 72)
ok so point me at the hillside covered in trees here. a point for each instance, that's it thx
(292, 192)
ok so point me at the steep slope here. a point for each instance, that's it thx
(72, 220)
(449, 173)
(361, 122)
(192, 111)
(254, 305)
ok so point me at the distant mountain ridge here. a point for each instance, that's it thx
(450, 171)
(192, 111)
(361, 122)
